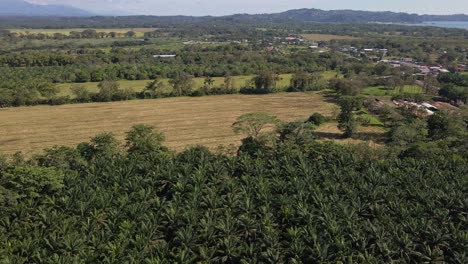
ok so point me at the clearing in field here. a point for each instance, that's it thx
(185, 121)
(326, 37)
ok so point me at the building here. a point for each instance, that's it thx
(165, 56)
(407, 59)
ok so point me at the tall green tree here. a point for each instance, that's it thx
(80, 93)
(155, 88)
(346, 87)
(107, 90)
(346, 119)
(253, 124)
(182, 85)
(142, 139)
(265, 80)
(303, 81)
(409, 132)
(443, 125)
(431, 85)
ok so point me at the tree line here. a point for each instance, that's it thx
(182, 85)
(85, 34)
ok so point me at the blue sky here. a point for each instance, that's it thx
(225, 7)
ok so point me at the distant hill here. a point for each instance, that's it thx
(23, 8)
(347, 16)
(20, 15)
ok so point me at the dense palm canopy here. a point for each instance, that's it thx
(307, 203)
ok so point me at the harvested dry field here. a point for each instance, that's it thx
(185, 121)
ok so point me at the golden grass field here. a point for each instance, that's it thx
(326, 37)
(139, 31)
(185, 121)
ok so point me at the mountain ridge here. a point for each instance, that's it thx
(24, 8)
(350, 16)
(71, 14)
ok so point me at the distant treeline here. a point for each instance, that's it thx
(84, 34)
(191, 26)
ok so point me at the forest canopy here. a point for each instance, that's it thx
(304, 202)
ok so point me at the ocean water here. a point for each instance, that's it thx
(445, 24)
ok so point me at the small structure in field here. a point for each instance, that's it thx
(165, 56)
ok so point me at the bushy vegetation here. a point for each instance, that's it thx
(301, 203)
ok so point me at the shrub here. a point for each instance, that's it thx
(317, 119)
(364, 120)
(32, 182)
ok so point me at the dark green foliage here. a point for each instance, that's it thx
(3, 162)
(32, 182)
(64, 158)
(263, 83)
(141, 139)
(107, 91)
(454, 93)
(103, 145)
(430, 85)
(442, 125)
(346, 119)
(310, 202)
(453, 78)
(251, 147)
(303, 81)
(346, 86)
(82, 95)
(182, 85)
(153, 89)
(297, 131)
(409, 132)
(317, 119)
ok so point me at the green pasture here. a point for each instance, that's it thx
(382, 91)
(139, 85)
